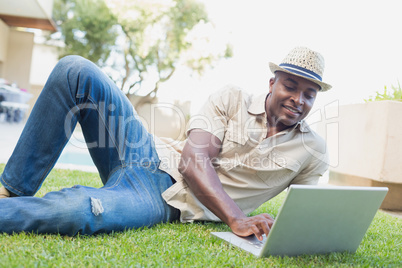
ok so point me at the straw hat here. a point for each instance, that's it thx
(303, 62)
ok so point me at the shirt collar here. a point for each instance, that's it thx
(303, 126)
(257, 107)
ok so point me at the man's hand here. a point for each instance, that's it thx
(257, 225)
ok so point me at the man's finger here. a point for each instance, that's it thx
(264, 226)
(269, 218)
(256, 232)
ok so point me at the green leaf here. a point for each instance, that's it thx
(395, 95)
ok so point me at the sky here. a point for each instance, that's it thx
(360, 41)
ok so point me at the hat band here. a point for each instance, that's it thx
(300, 71)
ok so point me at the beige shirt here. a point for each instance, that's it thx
(251, 167)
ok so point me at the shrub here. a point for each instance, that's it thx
(395, 95)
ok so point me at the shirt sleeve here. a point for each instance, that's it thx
(314, 170)
(217, 111)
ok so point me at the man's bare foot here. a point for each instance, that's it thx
(4, 193)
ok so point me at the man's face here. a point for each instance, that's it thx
(291, 99)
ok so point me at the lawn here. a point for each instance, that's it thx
(180, 245)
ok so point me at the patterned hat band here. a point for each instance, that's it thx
(300, 71)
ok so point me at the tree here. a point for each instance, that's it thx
(138, 39)
(87, 27)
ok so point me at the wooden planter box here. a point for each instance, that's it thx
(369, 148)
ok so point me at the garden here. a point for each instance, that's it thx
(181, 245)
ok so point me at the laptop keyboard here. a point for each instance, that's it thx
(257, 243)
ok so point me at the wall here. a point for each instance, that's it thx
(167, 120)
(4, 33)
(44, 58)
(18, 58)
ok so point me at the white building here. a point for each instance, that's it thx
(22, 61)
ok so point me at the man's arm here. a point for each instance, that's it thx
(199, 173)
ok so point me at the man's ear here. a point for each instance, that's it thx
(271, 84)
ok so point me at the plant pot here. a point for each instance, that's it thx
(368, 148)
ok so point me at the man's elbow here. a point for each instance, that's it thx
(193, 163)
(183, 166)
(188, 164)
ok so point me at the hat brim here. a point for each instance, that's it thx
(275, 68)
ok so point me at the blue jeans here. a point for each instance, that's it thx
(122, 150)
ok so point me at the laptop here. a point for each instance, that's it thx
(316, 220)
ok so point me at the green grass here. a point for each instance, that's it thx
(180, 245)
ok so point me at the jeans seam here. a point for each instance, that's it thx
(121, 168)
(107, 129)
(4, 182)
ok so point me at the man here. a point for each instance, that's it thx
(240, 152)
